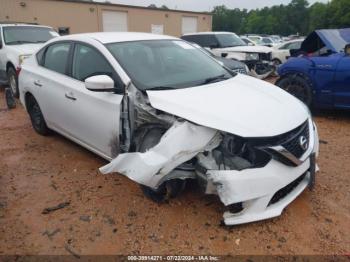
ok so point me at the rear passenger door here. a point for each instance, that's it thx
(48, 83)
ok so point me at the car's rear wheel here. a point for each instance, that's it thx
(169, 189)
(36, 116)
(13, 81)
(298, 87)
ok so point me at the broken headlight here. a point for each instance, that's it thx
(237, 153)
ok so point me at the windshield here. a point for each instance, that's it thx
(267, 40)
(255, 39)
(15, 35)
(166, 64)
(229, 40)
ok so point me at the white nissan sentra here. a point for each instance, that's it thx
(163, 112)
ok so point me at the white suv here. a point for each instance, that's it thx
(18, 42)
(162, 111)
(231, 46)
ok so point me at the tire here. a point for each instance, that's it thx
(36, 117)
(276, 62)
(169, 189)
(297, 86)
(13, 81)
(10, 100)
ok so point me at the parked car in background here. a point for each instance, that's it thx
(18, 42)
(232, 64)
(164, 112)
(229, 45)
(276, 38)
(281, 52)
(248, 41)
(256, 39)
(320, 74)
(268, 41)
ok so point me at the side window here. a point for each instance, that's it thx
(40, 57)
(56, 57)
(285, 46)
(295, 45)
(88, 62)
(207, 40)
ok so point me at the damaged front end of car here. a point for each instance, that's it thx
(255, 178)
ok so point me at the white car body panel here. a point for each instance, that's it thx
(242, 105)
(247, 49)
(239, 52)
(151, 167)
(282, 54)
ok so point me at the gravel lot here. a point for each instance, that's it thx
(109, 214)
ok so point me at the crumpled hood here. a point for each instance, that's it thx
(242, 105)
(248, 49)
(26, 49)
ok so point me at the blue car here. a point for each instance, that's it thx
(319, 72)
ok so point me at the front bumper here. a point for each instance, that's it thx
(263, 192)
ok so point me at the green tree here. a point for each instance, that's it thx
(295, 17)
(318, 17)
(339, 13)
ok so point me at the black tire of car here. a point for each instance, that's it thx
(276, 62)
(36, 117)
(169, 189)
(297, 86)
(10, 100)
(13, 81)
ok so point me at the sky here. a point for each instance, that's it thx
(206, 5)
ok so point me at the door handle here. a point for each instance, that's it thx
(70, 96)
(37, 83)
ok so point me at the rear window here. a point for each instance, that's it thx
(56, 57)
(16, 35)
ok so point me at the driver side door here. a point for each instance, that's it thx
(92, 118)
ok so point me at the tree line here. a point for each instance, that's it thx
(298, 17)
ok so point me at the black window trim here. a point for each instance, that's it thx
(118, 81)
(69, 64)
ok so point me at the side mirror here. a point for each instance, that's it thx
(224, 55)
(347, 49)
(100, 83)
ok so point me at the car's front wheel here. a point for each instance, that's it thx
(297, 86)
(169, 189)
(276, 62)
(36, 116)
(13, 81)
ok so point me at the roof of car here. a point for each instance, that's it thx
(208, 33)
(113, 37)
